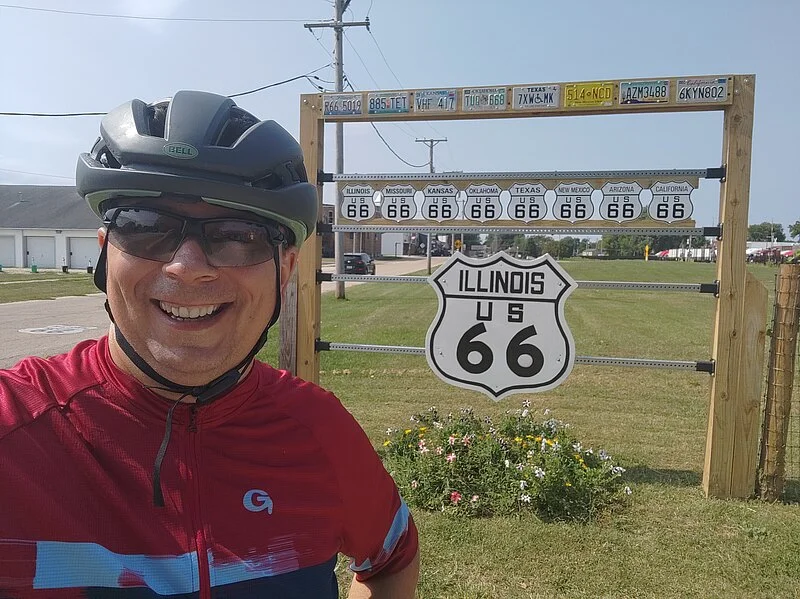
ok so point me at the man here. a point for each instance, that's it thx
(163, 460)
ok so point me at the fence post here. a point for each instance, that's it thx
(780, 381)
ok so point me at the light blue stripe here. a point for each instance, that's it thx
(399, 526)
(78, 565)
(279, 562)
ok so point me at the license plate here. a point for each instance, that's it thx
(644, 92)
(599, 93)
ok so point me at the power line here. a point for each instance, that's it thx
(377, 86)
(386, 62)
(9, 170)
(310, 75)
(401, 159)
(146, 18)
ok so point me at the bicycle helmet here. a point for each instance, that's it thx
(200, 144)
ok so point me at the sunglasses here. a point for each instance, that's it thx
(156, 234)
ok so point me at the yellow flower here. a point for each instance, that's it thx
(567, 484)
(548, 441)
(518, 439)
(529, 436)
(537, 439)
(422, 429)
(387, 443)
(407, 431)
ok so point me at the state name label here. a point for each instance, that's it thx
(671, 201)
(585, 95)
(435, 100)
(644, 92)
(439, 202)
(388, 102)
(483, 202)
(542, 96)
(500, 328)
(483, 99)
(527, 202)
(621, 202)
(358, 202)
(342, 104)
(573, 202)
(702, 91)
(397, 203)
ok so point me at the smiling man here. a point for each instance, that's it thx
(164, 460)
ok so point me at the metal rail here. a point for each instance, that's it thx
(704, 173)
(696, 365)
(443, 229)
(324, 277)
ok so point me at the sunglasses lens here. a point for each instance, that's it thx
(238, 243)
(145, 233)
(156, 235)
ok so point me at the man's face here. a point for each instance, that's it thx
(191, 348)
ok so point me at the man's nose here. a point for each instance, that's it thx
(190, 261)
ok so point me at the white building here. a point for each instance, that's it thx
(47, 226)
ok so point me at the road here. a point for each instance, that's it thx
(49, 327)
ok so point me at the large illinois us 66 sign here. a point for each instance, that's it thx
(500, 327)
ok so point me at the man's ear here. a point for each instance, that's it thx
(288, 263)
(101, 236)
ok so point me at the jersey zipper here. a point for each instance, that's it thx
(197, 521)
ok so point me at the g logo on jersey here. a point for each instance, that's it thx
(256, 500)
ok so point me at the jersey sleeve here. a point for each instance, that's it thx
(379, 534)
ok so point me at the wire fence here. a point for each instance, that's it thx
(791, 490)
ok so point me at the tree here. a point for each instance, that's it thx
(794, 230)
(766, 231)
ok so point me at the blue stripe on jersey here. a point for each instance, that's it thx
(62, 565)
(278, 562)
(396, 530)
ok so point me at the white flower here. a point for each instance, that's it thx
(627, 490)
(414, 484)
(525, 497)
(520, 467)
(526, 403)
(388, 431)
(617, 470)
(438, 425)
(603, 455)
(547, 411)
(525, 413)
(577, 447)
(523, 484)
(538, 473)
(508, 463)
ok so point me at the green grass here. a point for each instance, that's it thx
(671, 541)
(17, 287)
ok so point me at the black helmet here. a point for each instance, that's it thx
(201, 144)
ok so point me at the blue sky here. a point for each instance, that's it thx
(53, 62)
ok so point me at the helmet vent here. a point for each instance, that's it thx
(157, 118)
(106, 158)
(271, 181)
(239, 122)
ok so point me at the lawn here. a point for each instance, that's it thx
(670, 541)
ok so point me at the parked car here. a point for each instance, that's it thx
(359, 264)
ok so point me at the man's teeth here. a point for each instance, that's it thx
(189, 312)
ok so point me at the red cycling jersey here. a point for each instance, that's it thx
(262, 488)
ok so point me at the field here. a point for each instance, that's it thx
(670, 541)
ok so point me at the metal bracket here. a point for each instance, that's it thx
(323, 177)
(706, 366)
(324, 228)
(320, 345)
(713, 231)
(324, 277)
(710, 288)
(718, 172)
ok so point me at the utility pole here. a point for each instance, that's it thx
(430, 143)
(338, 27)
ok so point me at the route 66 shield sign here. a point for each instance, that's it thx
(500, 328)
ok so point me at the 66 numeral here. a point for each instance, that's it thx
(514, 351)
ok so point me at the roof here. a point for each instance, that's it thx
(44, 207)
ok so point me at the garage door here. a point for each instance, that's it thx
(83, 251)
(7, 251)
(41, 252)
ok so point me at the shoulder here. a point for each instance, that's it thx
(35, 385)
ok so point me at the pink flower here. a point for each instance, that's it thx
(414, 484)
(474, 499)
(439, 451)
(452, 439)
(466, 440)
(451, 457)
(455, 497)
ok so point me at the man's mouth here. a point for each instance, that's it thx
(189, 312)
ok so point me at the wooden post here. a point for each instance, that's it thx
(780, 383)
(754, 329)
(728, 388)
(298, 340)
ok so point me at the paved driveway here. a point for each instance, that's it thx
(49, 327)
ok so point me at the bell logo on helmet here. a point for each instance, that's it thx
(180, 150)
